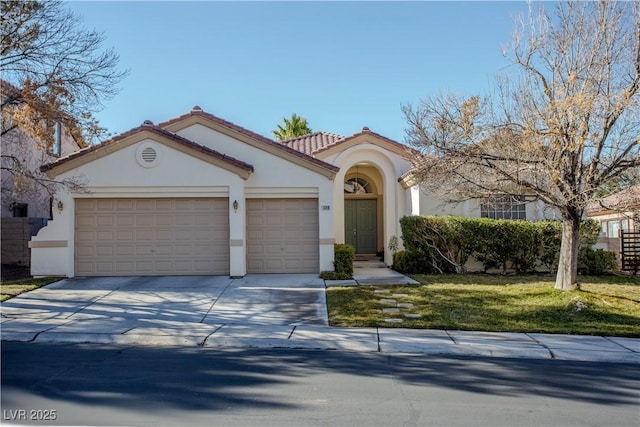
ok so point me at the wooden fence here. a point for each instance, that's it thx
(15, 234)
(630, 250)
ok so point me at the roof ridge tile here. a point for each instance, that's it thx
(251, 134)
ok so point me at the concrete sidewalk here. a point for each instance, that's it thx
(278, 311)
(372, 272)
(385, 340)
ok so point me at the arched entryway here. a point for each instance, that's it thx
(363, 209)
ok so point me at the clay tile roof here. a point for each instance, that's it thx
(197, 111)
(148, 126)
(365, 131)
(312, 142)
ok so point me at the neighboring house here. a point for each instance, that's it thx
(26, 206)
(620, 211)
(615, 213)
(200, 195)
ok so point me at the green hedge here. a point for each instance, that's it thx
(444, 244)
(596, 262)
(343, 258)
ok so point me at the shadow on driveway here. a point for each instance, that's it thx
(115, 305)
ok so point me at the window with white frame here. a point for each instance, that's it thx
(612, 228)
(504, 207)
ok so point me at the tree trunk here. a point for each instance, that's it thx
(566, 279)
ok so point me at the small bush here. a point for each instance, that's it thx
(332, 275)
(344, 255)
(403, 262)
(596, 262)
(414, 263)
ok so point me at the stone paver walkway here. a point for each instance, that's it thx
(402, 309)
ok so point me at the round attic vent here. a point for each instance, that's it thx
(148, 154)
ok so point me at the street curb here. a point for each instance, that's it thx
(354, 341)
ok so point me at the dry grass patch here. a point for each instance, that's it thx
(11, 288)
(603, 306)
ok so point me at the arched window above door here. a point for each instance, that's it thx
(357, 186)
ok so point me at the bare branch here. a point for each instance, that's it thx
(564, 120)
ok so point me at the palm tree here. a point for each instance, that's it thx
(294, 127)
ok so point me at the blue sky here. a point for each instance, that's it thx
(342, 65)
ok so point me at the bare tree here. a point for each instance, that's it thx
(54, 72)
(563, 120)
(59, 66)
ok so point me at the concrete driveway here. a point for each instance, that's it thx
(194, 305)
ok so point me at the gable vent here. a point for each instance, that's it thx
(149, 155)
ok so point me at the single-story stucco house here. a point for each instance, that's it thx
(198, 195)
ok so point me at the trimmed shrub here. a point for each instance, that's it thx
(549, 239)
(410, 262)
(332, 275)
(432, 245)
(596, 262)
(344, 255)
(400, 261)
(444, 244)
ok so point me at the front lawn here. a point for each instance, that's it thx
(11, 288)
(603, 306)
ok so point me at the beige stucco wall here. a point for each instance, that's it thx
(276, 177)
(177, 174)
(432, 205)
(617, 216)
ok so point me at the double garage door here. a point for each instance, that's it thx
(141, 237)
(138, 237)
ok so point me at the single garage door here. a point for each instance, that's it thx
(144, 237)
(282, 236)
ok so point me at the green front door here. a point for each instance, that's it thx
(361, 225)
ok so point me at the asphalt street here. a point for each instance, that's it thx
(91, 384)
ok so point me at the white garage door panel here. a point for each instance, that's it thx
(116, 237)
(282, 236)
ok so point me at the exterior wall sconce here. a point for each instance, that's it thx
(60, 206)
(235, 206)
